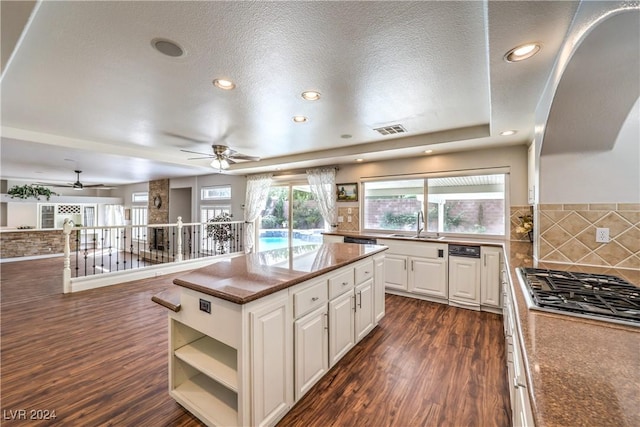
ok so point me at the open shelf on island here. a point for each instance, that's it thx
(213, 358)
(210, 399)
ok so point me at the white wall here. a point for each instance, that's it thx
(22, 214)
(596, 177)
(126, 191)
(238, 192)
(513, 157)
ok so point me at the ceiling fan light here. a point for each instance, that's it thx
(220, 164)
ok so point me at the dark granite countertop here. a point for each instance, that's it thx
(580, 372)
(248, 277)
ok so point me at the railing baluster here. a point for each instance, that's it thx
(171, 243)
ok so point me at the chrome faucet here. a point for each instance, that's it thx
(418, 228)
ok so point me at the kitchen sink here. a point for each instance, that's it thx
(424, 237)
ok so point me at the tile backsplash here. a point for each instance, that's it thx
(567, 234)
(345, 225)
(516, 212)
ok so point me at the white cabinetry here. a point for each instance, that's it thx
(311, 337)
(395, 272)
(428, 276)
(208, 373)
(417, 269)
(490, 280)
(271, 361)
(311, 350)
(521, 412)
(464, 282)
(378, 291)
(352, 305)
(341, 327)
(243, 364)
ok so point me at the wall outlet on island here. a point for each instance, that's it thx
(602, 235)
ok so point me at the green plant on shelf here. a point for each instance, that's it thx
(27, 191)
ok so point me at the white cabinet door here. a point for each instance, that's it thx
(271, 361)
(378, 291)
(364, 309)
(341, 326)
(490, 278)
(311, 350)
(464, 281)
(428, 276)
(395, 272)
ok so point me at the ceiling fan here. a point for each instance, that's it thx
(222, 156)
(77, 185)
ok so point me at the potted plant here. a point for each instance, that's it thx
(26, 191)
(219, 231)
(526, 226)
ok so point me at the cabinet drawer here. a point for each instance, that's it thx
(341, 283)
(364, 272)
(221, 323)
(309, 298)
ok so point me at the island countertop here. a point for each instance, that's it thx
(245, 278)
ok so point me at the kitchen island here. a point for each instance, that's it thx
(237, 326)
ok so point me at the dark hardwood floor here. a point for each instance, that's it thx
(99, 357)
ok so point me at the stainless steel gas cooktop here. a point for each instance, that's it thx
(594, 296)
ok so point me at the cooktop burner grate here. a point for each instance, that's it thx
(594, 295)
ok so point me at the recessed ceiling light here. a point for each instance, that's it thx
(224, 84)
(311, 95)
(428, 151)
(359, 160)
(522, 52)
(508, 132)
(167, 47)
(300, 119)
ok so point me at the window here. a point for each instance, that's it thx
(472, 204)
(208, 212)
(217, 192)
(139, 217)
(140, 197)
(291, 218)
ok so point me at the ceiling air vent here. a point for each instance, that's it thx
(391, 130)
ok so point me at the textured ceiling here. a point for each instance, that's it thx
(85, 84)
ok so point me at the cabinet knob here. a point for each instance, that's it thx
(315, 299)
(345, 283)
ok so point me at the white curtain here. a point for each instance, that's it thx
(257, 193)
(323, 186)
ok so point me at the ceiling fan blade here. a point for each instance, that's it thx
(245, 157)
(49, 184)
(200, 158)
(196, 152)
(97, 186)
